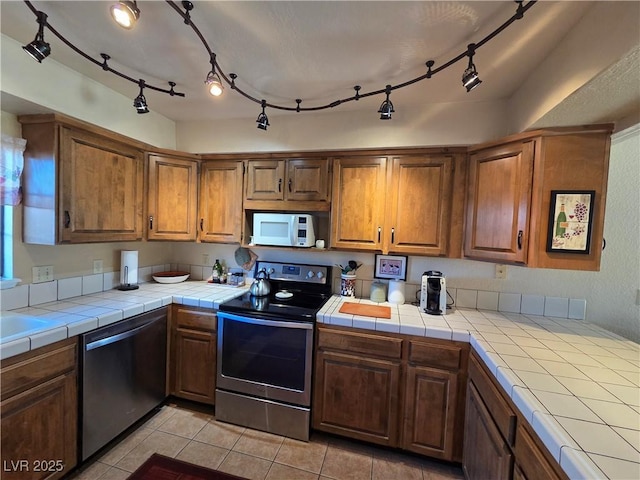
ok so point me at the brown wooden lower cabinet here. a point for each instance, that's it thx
(498, 441)
(192, 357)
(39, 412)
(390, 389)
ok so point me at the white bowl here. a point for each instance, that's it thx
(170, 277)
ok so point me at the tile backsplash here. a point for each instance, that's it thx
(36, 294)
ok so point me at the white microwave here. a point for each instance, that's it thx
(284, 229)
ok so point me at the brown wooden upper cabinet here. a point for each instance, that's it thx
(400, 204)
(509, 195)
(271, 182)
(172, 198)
(81, 183)
(221, 201)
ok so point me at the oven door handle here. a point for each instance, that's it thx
(262, 321)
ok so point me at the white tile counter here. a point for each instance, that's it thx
(81, 314)
(577, 384)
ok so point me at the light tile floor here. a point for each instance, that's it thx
(196, 437)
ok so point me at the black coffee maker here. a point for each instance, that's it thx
(433, 293)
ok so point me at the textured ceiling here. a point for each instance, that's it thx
(313, 50)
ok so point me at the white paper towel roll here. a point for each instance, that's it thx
(129, 267)
(396, 292)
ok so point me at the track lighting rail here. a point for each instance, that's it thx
(230, 80)
(102, 64)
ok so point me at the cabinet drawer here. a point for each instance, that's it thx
(191, 318)
(436, 356)
(356, 342)
(24, 371)
(500, 411)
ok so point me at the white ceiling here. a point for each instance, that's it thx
(313, 50)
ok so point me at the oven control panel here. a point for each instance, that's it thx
(294, 272)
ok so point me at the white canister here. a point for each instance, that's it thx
(396, 292)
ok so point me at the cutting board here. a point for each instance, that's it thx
(365, 310)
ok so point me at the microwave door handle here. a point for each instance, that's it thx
(293, 231)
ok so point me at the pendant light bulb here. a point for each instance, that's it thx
(386, 109)
(263, 120)
(38, 48)
(125, 13)
(214, 84)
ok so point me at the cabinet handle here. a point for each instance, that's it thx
(393, 235)
(201, 224)
(67, 219)
(604, 243)
(150, 222)
(289, 185)
(379, 232)
(520, 233)
(279, 185)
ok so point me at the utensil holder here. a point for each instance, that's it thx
(347, 285)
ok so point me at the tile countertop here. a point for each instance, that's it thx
(77, 315)
(577, 384)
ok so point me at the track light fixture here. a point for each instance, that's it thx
(125, 13)
(39, 49)
(470, 78)
(263, 120)
(140, 102)
(386, 109)
(213, 82)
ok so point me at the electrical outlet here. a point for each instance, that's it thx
(42, 274)
(205, 259)
(97, 266)
(501, 271)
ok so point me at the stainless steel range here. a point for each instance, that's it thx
(265, 346)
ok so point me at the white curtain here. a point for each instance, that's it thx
(11, 165)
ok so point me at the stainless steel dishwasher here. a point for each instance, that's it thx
(123, 376)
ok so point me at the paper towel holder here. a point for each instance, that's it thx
(127, 286)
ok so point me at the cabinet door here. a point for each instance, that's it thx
(38, 425)
(221, 202)
(358, 200)
(430, 412)
(485, 454)
(357, 397)
(265, 180)
(172, 198)
(499, 202)
(419, 209)
(195, 365)
(192, 361)
(530, 459)
(101, 189)
(307, 179)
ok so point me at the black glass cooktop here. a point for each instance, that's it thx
(290, 304)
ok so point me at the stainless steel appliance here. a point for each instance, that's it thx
(284, 229)
(433, 293)
(265, 347)
(123, 376)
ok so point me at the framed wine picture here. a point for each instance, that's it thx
(570, 218)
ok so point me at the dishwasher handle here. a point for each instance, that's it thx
(115, 338)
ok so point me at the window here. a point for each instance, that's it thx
(11, 165)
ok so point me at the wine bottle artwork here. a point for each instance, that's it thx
(570, 216)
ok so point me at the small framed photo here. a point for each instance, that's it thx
(393, 267)
(570, 219)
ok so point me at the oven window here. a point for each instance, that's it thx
(264, 354)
